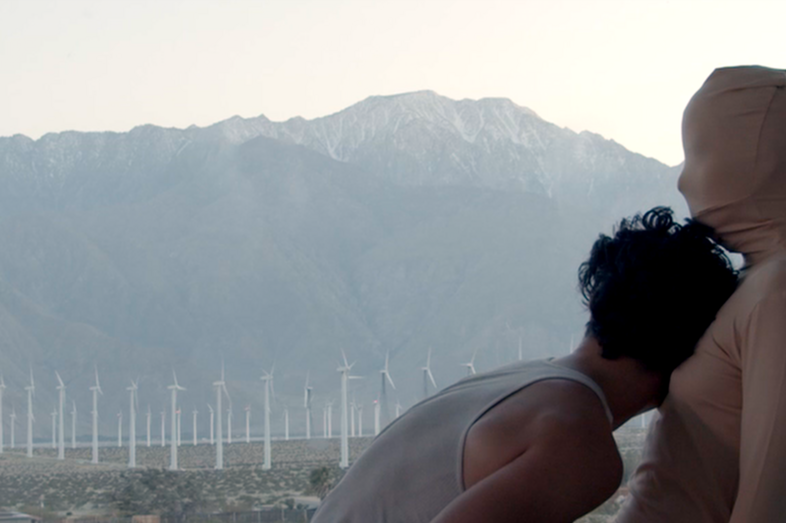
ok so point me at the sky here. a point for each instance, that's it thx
(621, 68)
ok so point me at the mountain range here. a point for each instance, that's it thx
(400, 223)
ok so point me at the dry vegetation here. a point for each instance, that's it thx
(74, 485)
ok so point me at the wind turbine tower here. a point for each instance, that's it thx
(61, 424)
(267, 378)
(248, 423)
(352, 419)
(307, 405)
(163, 427)
(30, 393)
(221, 388)
(229, 424)
(96, 390)
(195, 412)
(149, 417)
(73, 425)
(179, 433)
(427, 375)
(120, 429)
(54, 427)
(360, 420)
(173, 439)
(13, 427)
(132, 425)
(2, 388)
(330, 419)
(345, 377)
(383, 403)
(212, 426)
(376, 417)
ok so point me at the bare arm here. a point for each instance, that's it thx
(570, 467)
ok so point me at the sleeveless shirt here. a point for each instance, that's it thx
(414, 468)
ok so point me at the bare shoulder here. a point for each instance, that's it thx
(561, 419)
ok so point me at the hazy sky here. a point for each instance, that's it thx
(624, 69)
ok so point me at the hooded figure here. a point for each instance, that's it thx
(718, 451)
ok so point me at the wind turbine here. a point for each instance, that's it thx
(30, 418)
(220, 387)
(132, 424)
(163, 427)
(73, 425)
(267, 378)
(427, 375)
(173, 439)
(2, 388)
(229, 424)
(471, 365)
(330, 419)
(13, 427)
(212, 426)
(383, 403)
(54, 427)
(324, 421)
(149, 417)
(376, 417)
(359, 408)
(352, 418)
(345, 377)
(248, 423)
(286, 423)
(61, 425)
(96, 390)
(120, 429)
(195, 412)
(307, 406)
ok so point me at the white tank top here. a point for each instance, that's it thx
(413, 469)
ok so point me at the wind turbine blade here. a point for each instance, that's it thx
(343, 355)
(431, 377)
(224, 388)
(390, 380)
(59, 379)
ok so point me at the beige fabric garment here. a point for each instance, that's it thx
(718, 451)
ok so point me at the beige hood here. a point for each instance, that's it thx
(734, 179)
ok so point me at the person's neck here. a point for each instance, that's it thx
(629, 387)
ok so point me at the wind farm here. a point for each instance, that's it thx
(273, 461)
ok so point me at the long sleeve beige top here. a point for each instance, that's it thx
(718, 451)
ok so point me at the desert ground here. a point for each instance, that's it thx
(76, 487)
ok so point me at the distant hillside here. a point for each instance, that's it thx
(401, 223)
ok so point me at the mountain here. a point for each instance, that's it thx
(399, 223)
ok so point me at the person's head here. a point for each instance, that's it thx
(653, 288)
(734, 176)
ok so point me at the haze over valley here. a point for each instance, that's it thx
(400, 223)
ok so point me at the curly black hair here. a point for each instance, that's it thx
(654, 288)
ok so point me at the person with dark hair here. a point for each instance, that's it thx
(533, 441)
(717, 453)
